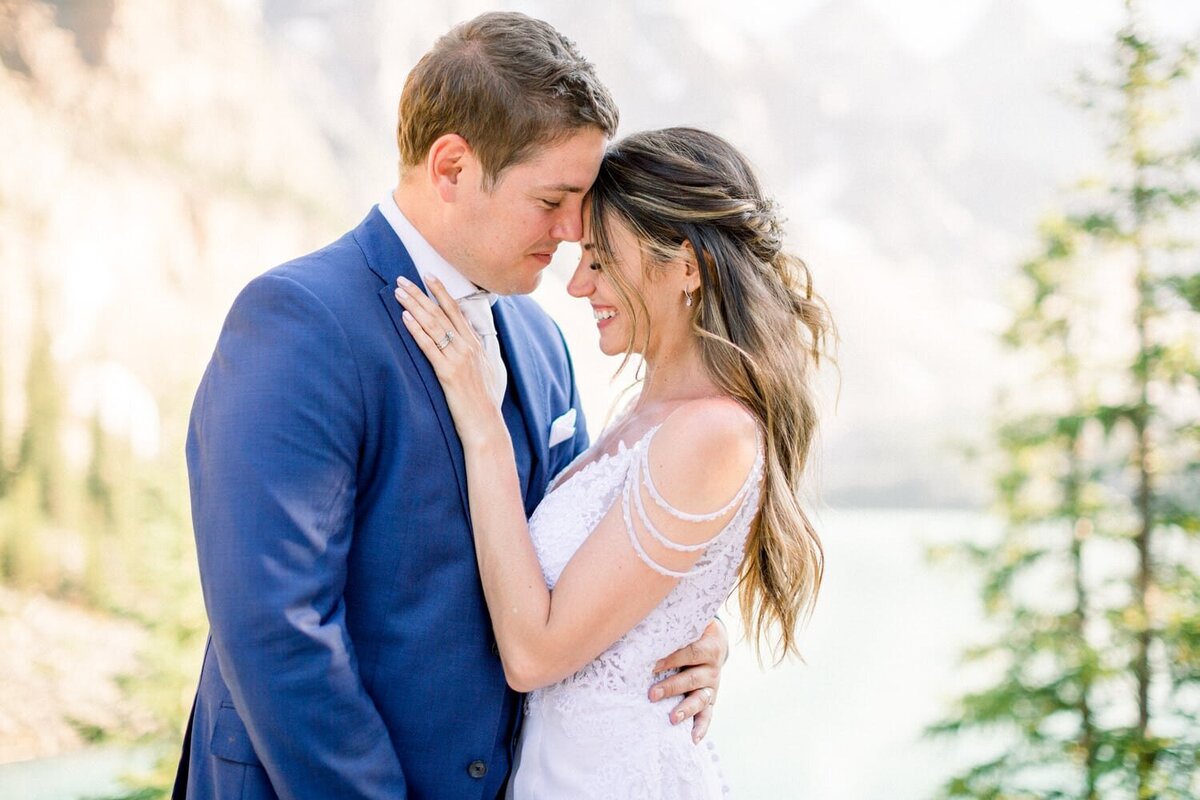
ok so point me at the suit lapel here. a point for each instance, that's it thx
(527, 379)
(388, 259)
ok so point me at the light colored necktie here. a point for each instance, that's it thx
(477, 308)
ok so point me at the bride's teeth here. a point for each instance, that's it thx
(602, 315)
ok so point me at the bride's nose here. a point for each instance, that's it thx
(582, 284)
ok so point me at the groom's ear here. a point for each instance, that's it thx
(448, 157)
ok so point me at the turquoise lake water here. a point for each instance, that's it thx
(880, 653)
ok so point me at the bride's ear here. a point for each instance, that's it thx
(691, 269)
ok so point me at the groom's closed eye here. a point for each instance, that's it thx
(556, 193)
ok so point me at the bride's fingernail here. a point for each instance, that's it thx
(656, 694)
(432, 279)
(403, 281)
(401, 294)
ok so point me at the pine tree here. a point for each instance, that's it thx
(4, 469)
(34, 494)
(40, 455)
(101, 517)
(1092, 590)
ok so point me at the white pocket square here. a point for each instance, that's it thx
(562, 428)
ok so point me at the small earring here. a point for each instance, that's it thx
(687, 298)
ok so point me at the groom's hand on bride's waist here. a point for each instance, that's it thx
(698, 679)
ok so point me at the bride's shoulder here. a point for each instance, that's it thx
(711, 422)
(704, 448)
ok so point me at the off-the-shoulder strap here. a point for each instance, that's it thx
(631, 499)
(661, 502)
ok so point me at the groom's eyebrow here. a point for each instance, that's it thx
(565, 187)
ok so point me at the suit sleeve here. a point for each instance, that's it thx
(272, 460)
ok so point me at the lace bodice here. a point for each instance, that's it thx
(605, 703)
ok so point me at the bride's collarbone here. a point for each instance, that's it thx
(636, 424)
(626, 432)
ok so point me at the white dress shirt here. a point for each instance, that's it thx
(427, 260)
(469, 296)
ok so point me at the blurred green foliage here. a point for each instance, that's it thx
(1090, 678)
(116, 538)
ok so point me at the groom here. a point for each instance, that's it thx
(350, 654)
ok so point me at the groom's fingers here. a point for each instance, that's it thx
(690, 707)
(700, 723)
(689, 680)
(704, 650)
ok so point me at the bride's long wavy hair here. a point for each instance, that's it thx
(762, 332)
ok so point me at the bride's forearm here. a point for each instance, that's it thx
(513, 585)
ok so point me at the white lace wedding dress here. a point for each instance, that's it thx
(596, 734)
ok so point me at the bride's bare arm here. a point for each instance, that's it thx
(606, 588)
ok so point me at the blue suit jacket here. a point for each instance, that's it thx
(350, 653)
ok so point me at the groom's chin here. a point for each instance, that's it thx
(525, 284)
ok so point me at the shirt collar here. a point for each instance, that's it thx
(427, 260)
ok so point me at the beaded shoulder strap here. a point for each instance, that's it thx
(631, 500)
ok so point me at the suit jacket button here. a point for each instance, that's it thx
(477, 769)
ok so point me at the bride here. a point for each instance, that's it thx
(693, 491)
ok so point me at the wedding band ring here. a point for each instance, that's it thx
(708, 695)
(445, 341)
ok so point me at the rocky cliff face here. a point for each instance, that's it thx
(63, 670)
(912, 180)
(160, 153)
(155, 158)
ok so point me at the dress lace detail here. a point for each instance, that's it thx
(595, 734)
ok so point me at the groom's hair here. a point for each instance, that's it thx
(508, 84)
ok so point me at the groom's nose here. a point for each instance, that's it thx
(568, 223)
